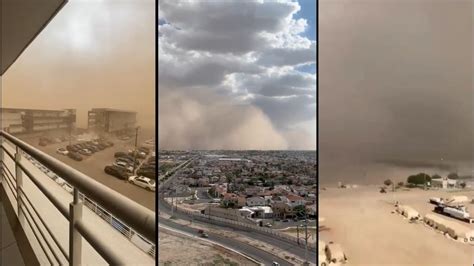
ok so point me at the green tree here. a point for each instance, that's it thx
(462, 185)
(418, 179)
(436, 176)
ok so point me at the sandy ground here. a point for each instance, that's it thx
(197, 252)
(361, 221)
(93, 166)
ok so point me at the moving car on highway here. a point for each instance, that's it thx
(202, 234)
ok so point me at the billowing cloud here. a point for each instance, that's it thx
(203, 121)
(245, 52)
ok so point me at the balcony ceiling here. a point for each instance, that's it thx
(21, 22)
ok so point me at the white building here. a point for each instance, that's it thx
(256, 201)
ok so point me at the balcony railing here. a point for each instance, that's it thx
(59, 240)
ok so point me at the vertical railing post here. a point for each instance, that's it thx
(2, 171)
(19, 184)
(75, 238)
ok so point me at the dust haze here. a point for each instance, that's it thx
(395, 86)
(204, 120)
(93, 54)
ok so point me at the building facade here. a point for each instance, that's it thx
(24, 121)
(111, 120)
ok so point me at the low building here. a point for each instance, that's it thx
(239, 215)
(111, 120)
(262, 212)
(233, 200)
(256, 201)
(443, 183)
(282, 210)
(26, 121)
(295, 200)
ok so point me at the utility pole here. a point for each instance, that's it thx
(298, 233)
(70, 133)
(172, 207)
(306, 239)
(135, 151)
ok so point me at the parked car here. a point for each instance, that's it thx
(124, 166)
(143, 182)
(120, 154)
(62, 151)
(140, 154)
(124, 160)
(116, 171)
(85, 151)
(128, 159)
(144, 149)
(147, 173)
(92, 148)
(75, 156)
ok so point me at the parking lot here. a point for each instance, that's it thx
(94, 164)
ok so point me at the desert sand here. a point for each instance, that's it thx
(361, 220)
(197, 252)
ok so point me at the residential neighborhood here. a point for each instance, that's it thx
(264, 188)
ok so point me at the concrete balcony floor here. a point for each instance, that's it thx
(9, 252)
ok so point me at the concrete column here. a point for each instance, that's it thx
(75, 238)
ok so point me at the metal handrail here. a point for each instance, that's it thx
(138, 217)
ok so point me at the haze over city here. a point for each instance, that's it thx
(83, 59)
(237, 75)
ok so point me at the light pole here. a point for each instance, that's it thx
(135, 151)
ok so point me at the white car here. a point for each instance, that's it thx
(143, 182)
(62, 151)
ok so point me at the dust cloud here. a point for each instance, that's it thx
(395, 86)
(205, 120)
(93, 54)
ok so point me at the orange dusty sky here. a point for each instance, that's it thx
(94, 53)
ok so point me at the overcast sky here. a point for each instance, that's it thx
(237, 74)
(94, 53)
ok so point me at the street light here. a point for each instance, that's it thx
(135, 151)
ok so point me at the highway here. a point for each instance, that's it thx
(262, 256)
(251, 251)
